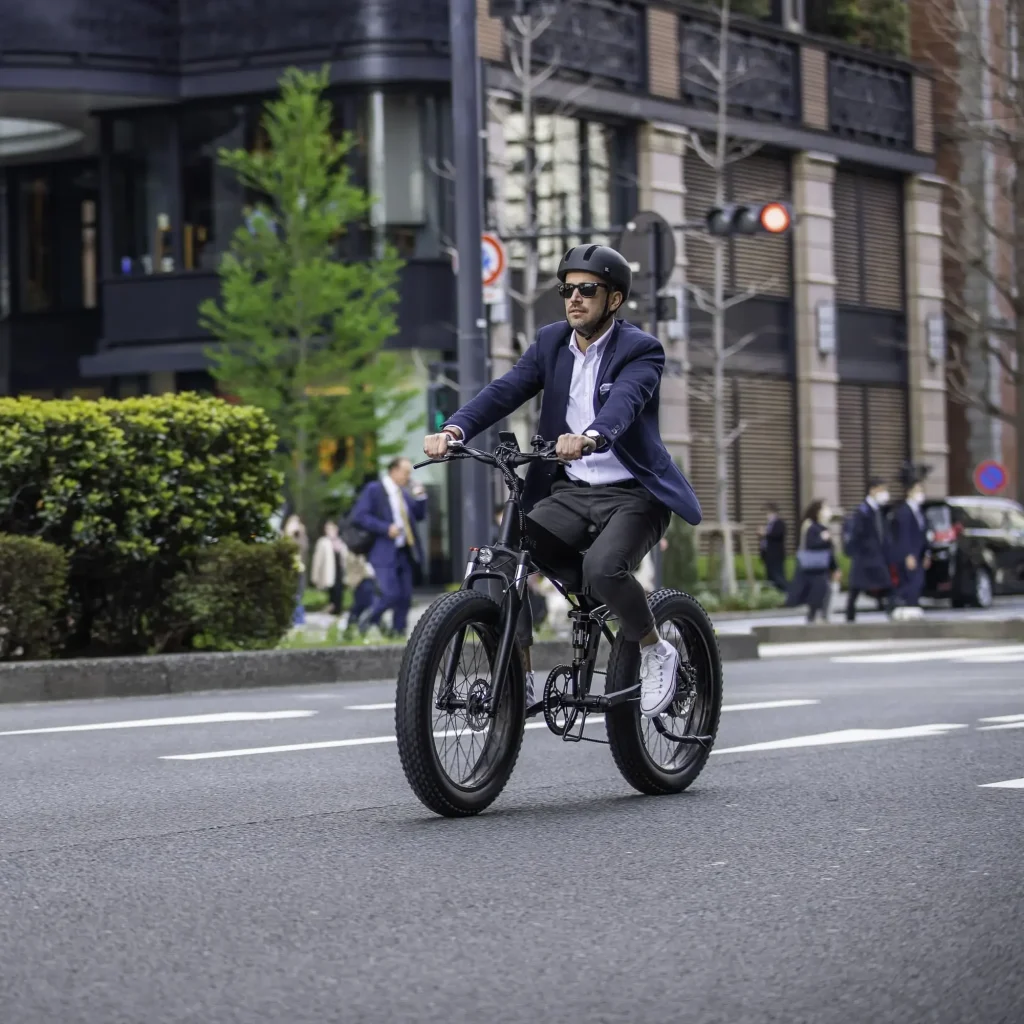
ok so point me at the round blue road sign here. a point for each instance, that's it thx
(990, 477)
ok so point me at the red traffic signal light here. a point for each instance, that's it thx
(749, 219)
(775, 218)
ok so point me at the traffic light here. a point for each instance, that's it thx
(442, 404)
(749, 219)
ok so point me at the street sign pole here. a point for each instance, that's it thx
(473, 477)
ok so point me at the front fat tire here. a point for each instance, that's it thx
(414, 705)
(624, 725)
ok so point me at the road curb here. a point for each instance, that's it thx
(966, 629)
(156, 675)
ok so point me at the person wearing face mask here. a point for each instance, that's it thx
(910, 547)
(816, 565)
(869, 544)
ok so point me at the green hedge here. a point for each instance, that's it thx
(132, 490)
(33, 597)
(235, 596)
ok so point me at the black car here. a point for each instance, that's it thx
(977, 550)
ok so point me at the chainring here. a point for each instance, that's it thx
(553, 704)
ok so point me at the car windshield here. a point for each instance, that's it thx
(939, 517)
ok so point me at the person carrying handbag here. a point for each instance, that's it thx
(816, 566)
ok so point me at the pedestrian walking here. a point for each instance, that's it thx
(328, 569)
(387, 508)
(816, 566)
(910, 546)
(295, 530)
(362, 582)
(773, 547)
(868, 542)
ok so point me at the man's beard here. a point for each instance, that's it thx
(586, 328)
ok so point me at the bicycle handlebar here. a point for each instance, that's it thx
(459, 450)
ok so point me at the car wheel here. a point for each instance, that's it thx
(982, 588)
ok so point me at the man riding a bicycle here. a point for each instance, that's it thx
(600, 378)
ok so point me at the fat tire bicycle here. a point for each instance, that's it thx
(487, 701)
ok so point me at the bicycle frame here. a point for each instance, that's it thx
(511, 544)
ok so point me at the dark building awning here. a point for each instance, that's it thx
(131, 360)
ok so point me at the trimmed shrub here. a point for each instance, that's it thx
(234, 597)
(679, 560)
(33, 597)
(131, 490)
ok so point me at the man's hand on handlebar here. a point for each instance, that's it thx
(436, 445)
(574, 446)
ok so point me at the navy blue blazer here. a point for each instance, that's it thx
(870, 550)
(626, 413)
(372, 511)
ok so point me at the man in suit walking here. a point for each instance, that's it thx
(601, 379)
(387, 508)
(773, 548)
(869, 545)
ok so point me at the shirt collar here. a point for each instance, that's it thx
(389, 485)
(595, 345)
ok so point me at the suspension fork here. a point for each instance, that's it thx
(445, 696)
(512, 605)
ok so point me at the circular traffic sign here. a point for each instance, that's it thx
(493, 258)
(990, 477)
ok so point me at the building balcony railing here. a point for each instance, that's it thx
(668, 48)
(164, 308)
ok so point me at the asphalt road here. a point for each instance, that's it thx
(870, 876)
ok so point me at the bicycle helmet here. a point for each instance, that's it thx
(602, 260)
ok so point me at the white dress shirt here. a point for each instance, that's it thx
(600, 467)
(396, 498)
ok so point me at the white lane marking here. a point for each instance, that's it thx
(150, 723)
(843, 736)
(1003, 718)
(1005, 725)
(287, 748)
(767, 705)
(962, 654)
(1009, 784)
(845, 646)
(764, 705)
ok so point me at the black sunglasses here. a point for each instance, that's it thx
(588, 289)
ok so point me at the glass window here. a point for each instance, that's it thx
(408, 146)
(576, 182)
(213, 197)
(1014, 520)
(35, 233)
(142, 195)
(89, 255)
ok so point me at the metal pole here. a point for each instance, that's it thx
(472, 347)
(654, 251)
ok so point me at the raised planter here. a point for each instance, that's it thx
(89, 678)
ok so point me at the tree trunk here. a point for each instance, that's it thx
(1017, 17)
(531, 273)
(722, 440)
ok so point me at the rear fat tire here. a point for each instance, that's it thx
(415, 711)
(624, 725)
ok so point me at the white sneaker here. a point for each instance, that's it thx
(658, 664)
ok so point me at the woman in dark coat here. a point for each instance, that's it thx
(816, 565)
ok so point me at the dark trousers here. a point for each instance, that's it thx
(884, 598)
(775, 570)
(395, 584)
(362, 600)
(629, 521)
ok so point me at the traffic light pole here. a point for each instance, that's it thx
(473, 477)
